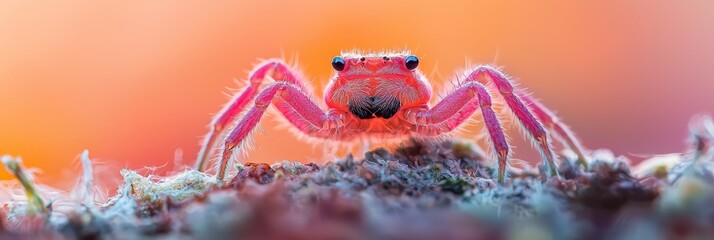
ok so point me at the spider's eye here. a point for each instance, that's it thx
(411, 62)
(338, 63)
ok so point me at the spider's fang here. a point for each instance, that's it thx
(371, 107)
(360, 109)
(386, 107)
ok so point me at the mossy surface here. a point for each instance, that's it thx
(421, 190)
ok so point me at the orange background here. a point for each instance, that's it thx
(135, 80)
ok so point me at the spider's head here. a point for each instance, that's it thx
(376, 85)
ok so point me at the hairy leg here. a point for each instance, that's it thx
(551, 121)
(292, 103)
(454, 109)
(533, 128)
(275, 69)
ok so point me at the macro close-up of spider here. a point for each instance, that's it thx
(356, 120)
(383, 96)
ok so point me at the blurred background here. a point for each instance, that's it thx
(135, 82)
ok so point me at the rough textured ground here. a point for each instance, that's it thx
(419, 191)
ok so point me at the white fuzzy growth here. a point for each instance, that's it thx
(84, 191)
(180, 186)
(120, 208)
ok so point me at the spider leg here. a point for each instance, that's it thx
(297, 107)
(551, 121)
(455, 109)
(533, 128)
(275, 69)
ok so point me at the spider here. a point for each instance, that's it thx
(383, 95)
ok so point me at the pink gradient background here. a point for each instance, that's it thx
(134, 81)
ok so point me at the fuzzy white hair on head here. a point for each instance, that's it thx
(357, 53)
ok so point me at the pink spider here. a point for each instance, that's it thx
(382, 96)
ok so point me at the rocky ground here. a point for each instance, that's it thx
(422, 190)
